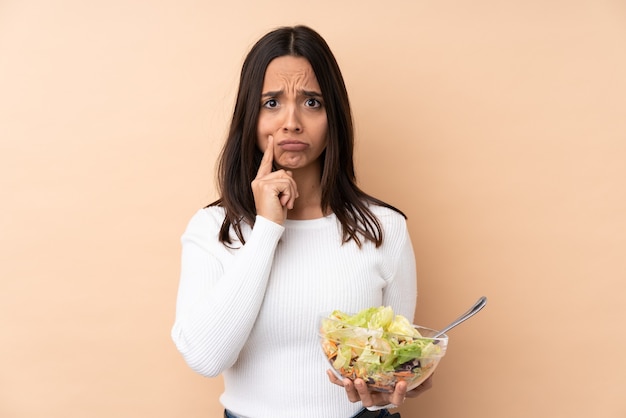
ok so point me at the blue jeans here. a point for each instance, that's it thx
(380, 414)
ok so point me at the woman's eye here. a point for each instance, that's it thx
(271, 103)
(313, 103)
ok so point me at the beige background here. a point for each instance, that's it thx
(499, 127)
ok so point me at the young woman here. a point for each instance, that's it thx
(291, 237)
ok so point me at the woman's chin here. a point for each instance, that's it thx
(290, 163)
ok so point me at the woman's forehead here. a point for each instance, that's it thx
(288, 71)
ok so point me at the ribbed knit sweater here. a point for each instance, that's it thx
(250, 313)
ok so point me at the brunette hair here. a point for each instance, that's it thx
(241, 157)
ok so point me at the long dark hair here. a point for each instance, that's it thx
(240, 158)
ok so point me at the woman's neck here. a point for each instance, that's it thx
(308, 205)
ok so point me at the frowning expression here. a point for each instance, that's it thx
(293, 112)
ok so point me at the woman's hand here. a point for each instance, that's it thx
(274, 191)
(358, 391)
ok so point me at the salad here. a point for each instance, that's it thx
(379, 347)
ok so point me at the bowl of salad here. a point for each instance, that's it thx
(380, 347)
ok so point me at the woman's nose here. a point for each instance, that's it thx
(292, 120)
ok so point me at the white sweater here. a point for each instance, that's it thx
(251, 313)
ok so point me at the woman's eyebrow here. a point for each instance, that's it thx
(310, 93)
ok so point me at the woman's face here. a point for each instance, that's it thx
(293, 112)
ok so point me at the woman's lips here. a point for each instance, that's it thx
(290, 145)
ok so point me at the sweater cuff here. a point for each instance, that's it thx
(269, 229)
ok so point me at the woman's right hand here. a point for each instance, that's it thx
(274, 192)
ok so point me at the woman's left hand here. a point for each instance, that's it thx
(358, 391)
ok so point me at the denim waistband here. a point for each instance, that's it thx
(366, 413)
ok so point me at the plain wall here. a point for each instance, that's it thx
(498, 127)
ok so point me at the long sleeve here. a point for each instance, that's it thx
(401, 289)
(220, 291)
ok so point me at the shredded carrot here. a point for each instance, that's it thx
(407, 373)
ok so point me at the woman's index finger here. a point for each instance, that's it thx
(267, 162)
